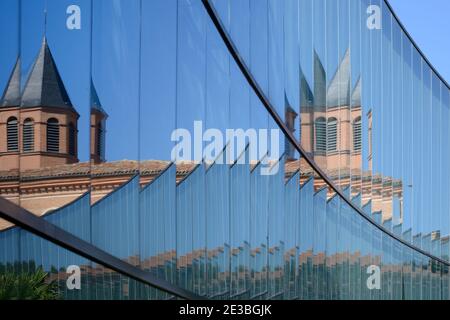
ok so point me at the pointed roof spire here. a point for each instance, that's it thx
(338, 93)
(11, 95)
(287, 104)
(306, 95)
(356, 95)
(95, 101)
(44, 86)
(320, 83)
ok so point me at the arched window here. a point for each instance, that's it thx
(12, 134)
(52, 135)
(321, 135)
(332, 131)
(100, 140)
(72, 142)
(357, 133)
(28, 135)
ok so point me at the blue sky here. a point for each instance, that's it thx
(428, 22)
(115, 63)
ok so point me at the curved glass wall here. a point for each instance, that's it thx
(303, 170)
(371, 111)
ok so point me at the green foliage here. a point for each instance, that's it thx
(27, 286)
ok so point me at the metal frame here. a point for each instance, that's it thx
(288, 134)
(42, 228)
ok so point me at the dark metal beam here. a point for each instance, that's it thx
(42, 228)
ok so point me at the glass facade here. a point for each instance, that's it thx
(238, 149)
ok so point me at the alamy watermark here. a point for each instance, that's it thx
(374, 19)
(73, 282)
(73, 21)
(214, 145)
(374, 280)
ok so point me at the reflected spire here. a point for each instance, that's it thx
(44, 86)
(11, 95)
(95, 101)
(338, 93)
(306, 95)
(319, 82)
(356, 94)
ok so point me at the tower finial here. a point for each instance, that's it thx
(45, 19)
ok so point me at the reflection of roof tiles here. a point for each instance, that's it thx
(44, 86)
(338, 93)
(107, 169)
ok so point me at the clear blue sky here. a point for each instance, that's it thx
(428, 22)
(115, 62)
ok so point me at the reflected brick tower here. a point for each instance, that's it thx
(38, 127)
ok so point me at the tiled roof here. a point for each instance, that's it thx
(85, 169)
(44, 86)
(11, 95)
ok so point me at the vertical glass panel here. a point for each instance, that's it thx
(291, 70)
(292, 232)
(319, 243)
(258, 233)
(417, 138)
(276, 55)
(158, 71)
(10, 82)
(306, 233)
(356, 127)
(53, 125)
(220, 250)
(276, 216)
(407, 140)
(191, 236)
(332, 252)
(114, 139)
(115, 101)
(375, 115)
(307, 119)
(157, 229)
(240, 217)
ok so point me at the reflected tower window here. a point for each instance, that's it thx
(12, 129)
(72, 138)
(332, 135)
(321, 135)
(100, 140)
(357, 135)
(28, 135)
(52, 135)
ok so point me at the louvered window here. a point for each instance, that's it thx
(12, 128)
(28, 135)
(332, 131)
(100, 140)
(321, 135)
(357, 132)
(72, 135)
(52, 135)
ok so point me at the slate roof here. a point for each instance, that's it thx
(11, 94)
(95, 101)
(44, 86)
